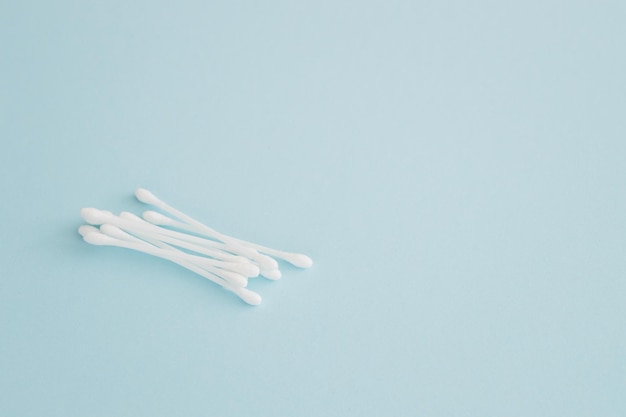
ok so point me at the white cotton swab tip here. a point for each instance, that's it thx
(157, 218)
(99, 239)
(272, 274)
(145, 196)
(299, 260)
(265, 262)
(86, 229)
(115, 232)
(248, 296)
(94, 216)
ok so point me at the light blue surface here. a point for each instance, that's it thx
(455, 169)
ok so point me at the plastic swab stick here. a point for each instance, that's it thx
(270, 272)
(240, 267)
(102, 239)
(132, 223)
(139, 222)
(94, 236)
(129, 221)
(268, 266)
(204, 250)
(246, 295)
(159, 219)
(214, 253)
(264, 261)
(106, 240)
(209, 264)
(147, 197)
(267, 269)
(296, 259)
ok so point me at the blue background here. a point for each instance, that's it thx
(455, 169)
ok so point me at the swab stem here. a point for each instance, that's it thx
(92, 235)
(106, 240)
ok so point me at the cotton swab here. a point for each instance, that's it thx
(197, 248)
(267, 263)
(224, 260)
(246, 269)
(159, 219)
(137, 222)
(103, 239)
(95, 216)
(204, 250)
(296, 259)
(94, 236)
(130, 222)
(195, 226)
(85, 229)
(246, 295)
(268, 266)
(267, 269)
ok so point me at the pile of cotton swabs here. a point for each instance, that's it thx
(225, 260)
